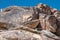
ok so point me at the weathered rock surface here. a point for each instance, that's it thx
(24, 35)
(48, 22)
(30, 23)
(15, 16)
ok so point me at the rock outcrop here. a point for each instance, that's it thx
(30, 23)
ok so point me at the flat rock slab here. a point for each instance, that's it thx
(18, 35)
(22, 35)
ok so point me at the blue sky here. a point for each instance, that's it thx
(52, 3)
